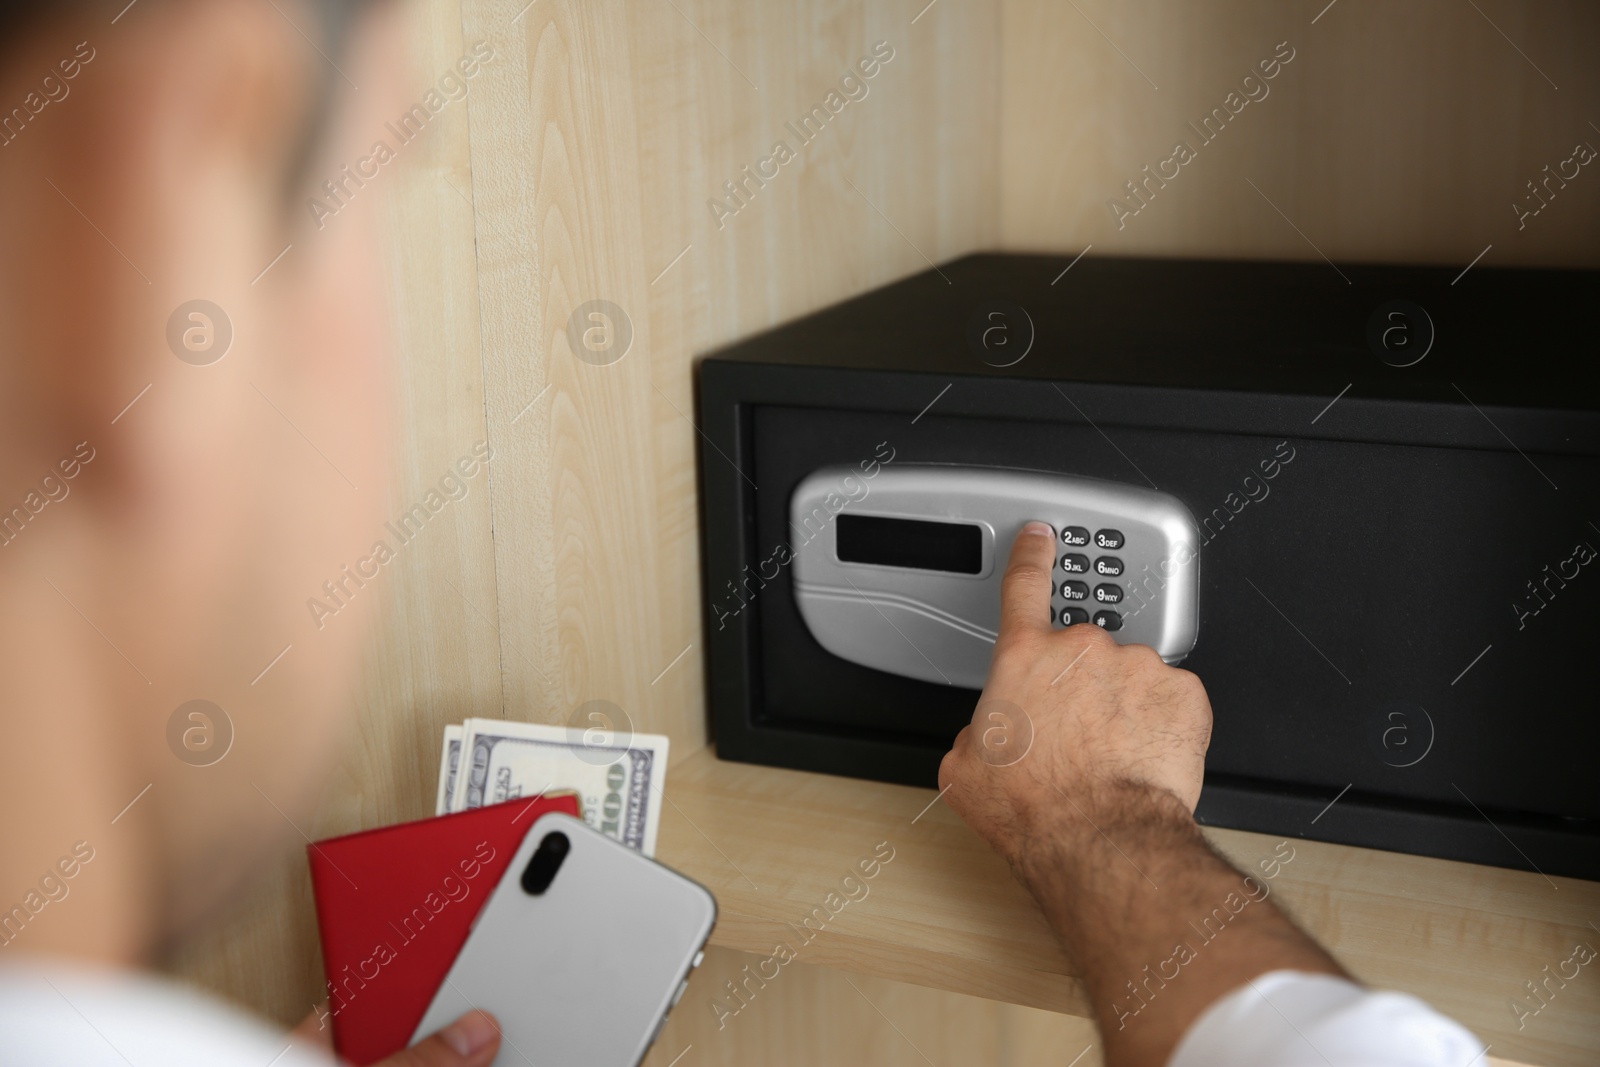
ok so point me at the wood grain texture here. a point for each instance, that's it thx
(1399, 132)
(810, 1014)
(597, 143)
(945, 912)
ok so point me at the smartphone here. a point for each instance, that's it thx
(580, 952)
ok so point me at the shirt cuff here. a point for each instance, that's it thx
(1292, 1019)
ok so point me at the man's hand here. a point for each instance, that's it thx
(1082, 767)
(1070, 720)
(470, 1041)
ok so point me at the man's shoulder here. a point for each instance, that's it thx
(56, 1012)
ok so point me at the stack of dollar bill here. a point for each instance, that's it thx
(618, 777)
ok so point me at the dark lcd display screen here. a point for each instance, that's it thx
(929, 546)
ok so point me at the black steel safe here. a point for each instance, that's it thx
(1396, 628)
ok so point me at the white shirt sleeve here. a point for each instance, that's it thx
(1290, 1019)
(55, 1012)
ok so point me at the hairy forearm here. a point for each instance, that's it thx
(1160, 925)
(1094, 815)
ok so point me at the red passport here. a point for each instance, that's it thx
(394, 907)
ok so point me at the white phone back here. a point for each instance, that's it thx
(582, 975)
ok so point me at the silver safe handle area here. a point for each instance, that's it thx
(901, 571)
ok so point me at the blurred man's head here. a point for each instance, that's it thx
(178, 478)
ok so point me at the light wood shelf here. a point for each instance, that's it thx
(946, 913)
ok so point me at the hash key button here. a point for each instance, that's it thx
(1108, 594)
(1110, 566)
(1076, 536)
(1108, 539)
(1108, 620)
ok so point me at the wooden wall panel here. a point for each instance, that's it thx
(597, 143)
(1399, 132)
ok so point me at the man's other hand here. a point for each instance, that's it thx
(471, 1041)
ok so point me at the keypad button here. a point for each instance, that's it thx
(1108, 539)
(1108, 594)
(1073, 563)
(1110, 566)
(1073, 616)
(1074, 591)
(1076, 536)
(1108, 620)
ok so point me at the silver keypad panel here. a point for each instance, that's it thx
(919, 594)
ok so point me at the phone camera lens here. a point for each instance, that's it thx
(546, 860)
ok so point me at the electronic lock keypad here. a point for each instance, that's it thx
(901, 571)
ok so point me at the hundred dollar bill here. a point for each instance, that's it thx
(618, 787)
(449, 760)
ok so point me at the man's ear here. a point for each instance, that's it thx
(122, 198)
